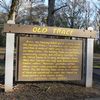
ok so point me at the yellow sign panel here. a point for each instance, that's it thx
(43, 59)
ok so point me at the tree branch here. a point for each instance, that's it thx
(59, 8)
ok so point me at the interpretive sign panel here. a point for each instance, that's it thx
(45, 59)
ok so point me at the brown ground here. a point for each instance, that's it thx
(51, 91)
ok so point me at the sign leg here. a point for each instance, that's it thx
(9, 63)
(89, 63)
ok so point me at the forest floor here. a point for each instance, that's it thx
(51, 91)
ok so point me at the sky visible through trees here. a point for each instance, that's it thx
(46, 1)
(72, 13)
(91, 3)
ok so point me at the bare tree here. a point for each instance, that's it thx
(37, 15)
(73, 13)
(97, 17)
(4, 5)
(51, 6)
(31, 12)
(12, 8)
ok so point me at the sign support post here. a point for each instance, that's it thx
(9, 63)
(89, 63)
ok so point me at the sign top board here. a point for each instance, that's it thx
(30, 29)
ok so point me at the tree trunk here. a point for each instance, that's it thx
(99, 29)
(12, 8)
(72, 22)
(51, 6)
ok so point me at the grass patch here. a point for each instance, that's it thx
(96, 66)
(96, 55)
(2, 70)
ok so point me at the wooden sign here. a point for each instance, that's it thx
(45, 59)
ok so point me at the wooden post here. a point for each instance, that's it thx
(9, 63)
(89, 63)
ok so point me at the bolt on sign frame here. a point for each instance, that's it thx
(45, 59)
